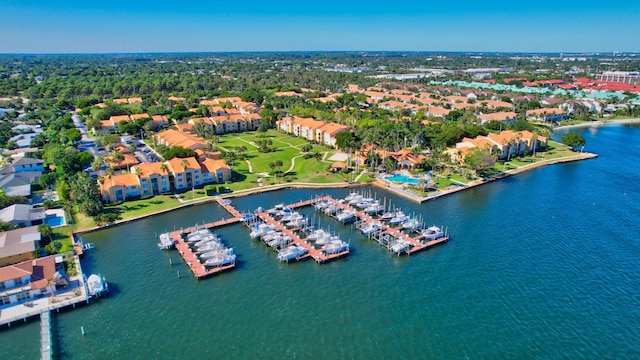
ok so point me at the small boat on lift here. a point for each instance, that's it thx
(97, 285)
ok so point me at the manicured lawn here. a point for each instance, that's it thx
(131, 209)
(62, 235)
(313, 171)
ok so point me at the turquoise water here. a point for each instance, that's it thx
(403, 179)
(541, 265)
(54, 220)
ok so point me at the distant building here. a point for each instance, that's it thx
(627, 77)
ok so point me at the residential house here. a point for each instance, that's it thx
(187, 173)
(16, 178)
(119, 187)
(153, 178)
(24, 164)
(161, 120)
(505, 144)
(18, 245)
(178, 138)
(327, 133)
(28, 280)
(22, 215)
(215, 171)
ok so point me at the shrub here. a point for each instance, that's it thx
(210, 190)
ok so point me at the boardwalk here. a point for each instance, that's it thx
(46, 352)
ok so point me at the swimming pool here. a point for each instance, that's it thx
(53, 220)
(403, 179)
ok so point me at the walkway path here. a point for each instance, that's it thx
(293, 163)
(249, 165)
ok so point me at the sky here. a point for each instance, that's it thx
(118, 26)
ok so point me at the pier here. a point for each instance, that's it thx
(46, 352)
(384, 236)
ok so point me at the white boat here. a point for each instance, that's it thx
(291, 252)
(335, 246)
(331, 209)
(412, 224)
(96, 286)
(370, 228)
(274, 210)
(388, 215)
(351, 196)
(374, 209)
(221, 260)
(321, 205)
(259, 230)
(212, 254)
(279, 241)
(345, 216)
(285, 211)
(166, 242)
(316, 234)
(400, 246)
(291, 216)
(400, 218)
(296, 223)
(355, 200)
(365, 203)
(203, 242)
(212, 246)
(432, 233)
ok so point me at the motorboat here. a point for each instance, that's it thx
(355, 200)
(221, 260)
(412, 224)
(331, 209)
(212, 246)
(335, 247)
(285, 211)
(345, 216)
(400, 218)
(314, 235)
(400, 246)
(213, 240)
(326, 239)
(387, 215)
(370, 228)
(365, 203)
(166, 242)
(291, 216)
(96, 285)
(432, 233)
(374, 208)
(297, 223)
(279, 241)
(276, 209)
(291, 252)
(352, 196)
(321, 205)
(212, 254)
(259, 230)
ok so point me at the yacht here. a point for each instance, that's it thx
(345, 216)
(166, 242)
(432, 233)
(335, 247)
(370, 228)
(212, 254)
(221, 260)
(259, 230)
(365, 203)
(96, 285)
(374, 208)
(400, 218)
(412, 224)
(291, 252)
(400, 246)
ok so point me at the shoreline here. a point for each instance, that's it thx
(398, 191)
(599, 123)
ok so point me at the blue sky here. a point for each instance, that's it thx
(52, 26)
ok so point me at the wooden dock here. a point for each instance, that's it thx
(416, 243)
(199, 270)
(318, 255)
(46, 352)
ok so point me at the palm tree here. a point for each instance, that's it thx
(117, 157)
(138, 172)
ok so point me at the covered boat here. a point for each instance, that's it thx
(291, 252)
(96, 285)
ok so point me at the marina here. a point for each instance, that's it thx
(289, 233)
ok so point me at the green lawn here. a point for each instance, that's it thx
(131, 209)
(62, 235)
